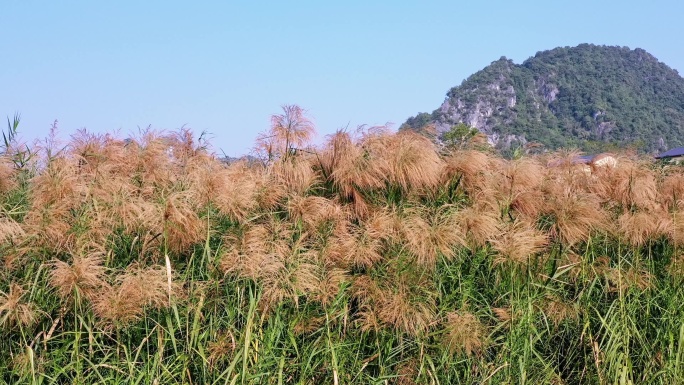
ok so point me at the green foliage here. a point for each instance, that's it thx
(458, 136)
(9, 137)
(417, 122)
(20, 155)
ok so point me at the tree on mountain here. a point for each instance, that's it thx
(461, 136)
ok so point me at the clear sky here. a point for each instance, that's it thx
(225, 66)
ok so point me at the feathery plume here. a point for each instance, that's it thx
(296, 174)
(518, 242)
(395, 308)
(676, 268)
(329, 285)
(630, 184)
(469, 166)
(429, 235)
(7, 181)
(83, 278)
(13, 311)
(503, 314)
(408, 372)
(672, 191)
(575, 215)
(338, 150)
(479, 225)
(315, 211)
(559, 310)
(410, 161)
(517, 176)
(289, 131)
(232, 189)
(10, 231)
(350, 166)
(628, 278)
(135, 289)
(220, 348)
(465, 333)
(183, 227)
(639, 227)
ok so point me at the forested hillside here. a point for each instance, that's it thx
(591, 97)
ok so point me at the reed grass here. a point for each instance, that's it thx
(373, 258)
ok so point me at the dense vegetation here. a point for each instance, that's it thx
(374, 258)
(591, 97)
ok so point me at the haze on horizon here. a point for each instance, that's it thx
(224, 68)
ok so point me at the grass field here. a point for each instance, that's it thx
(376, 258)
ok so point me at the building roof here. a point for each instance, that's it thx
(673, 153)
(589, 161)
(586, 159)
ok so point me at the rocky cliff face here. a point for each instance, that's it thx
(586, 96)
(482, 105)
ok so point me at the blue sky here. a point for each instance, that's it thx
(225, 66)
